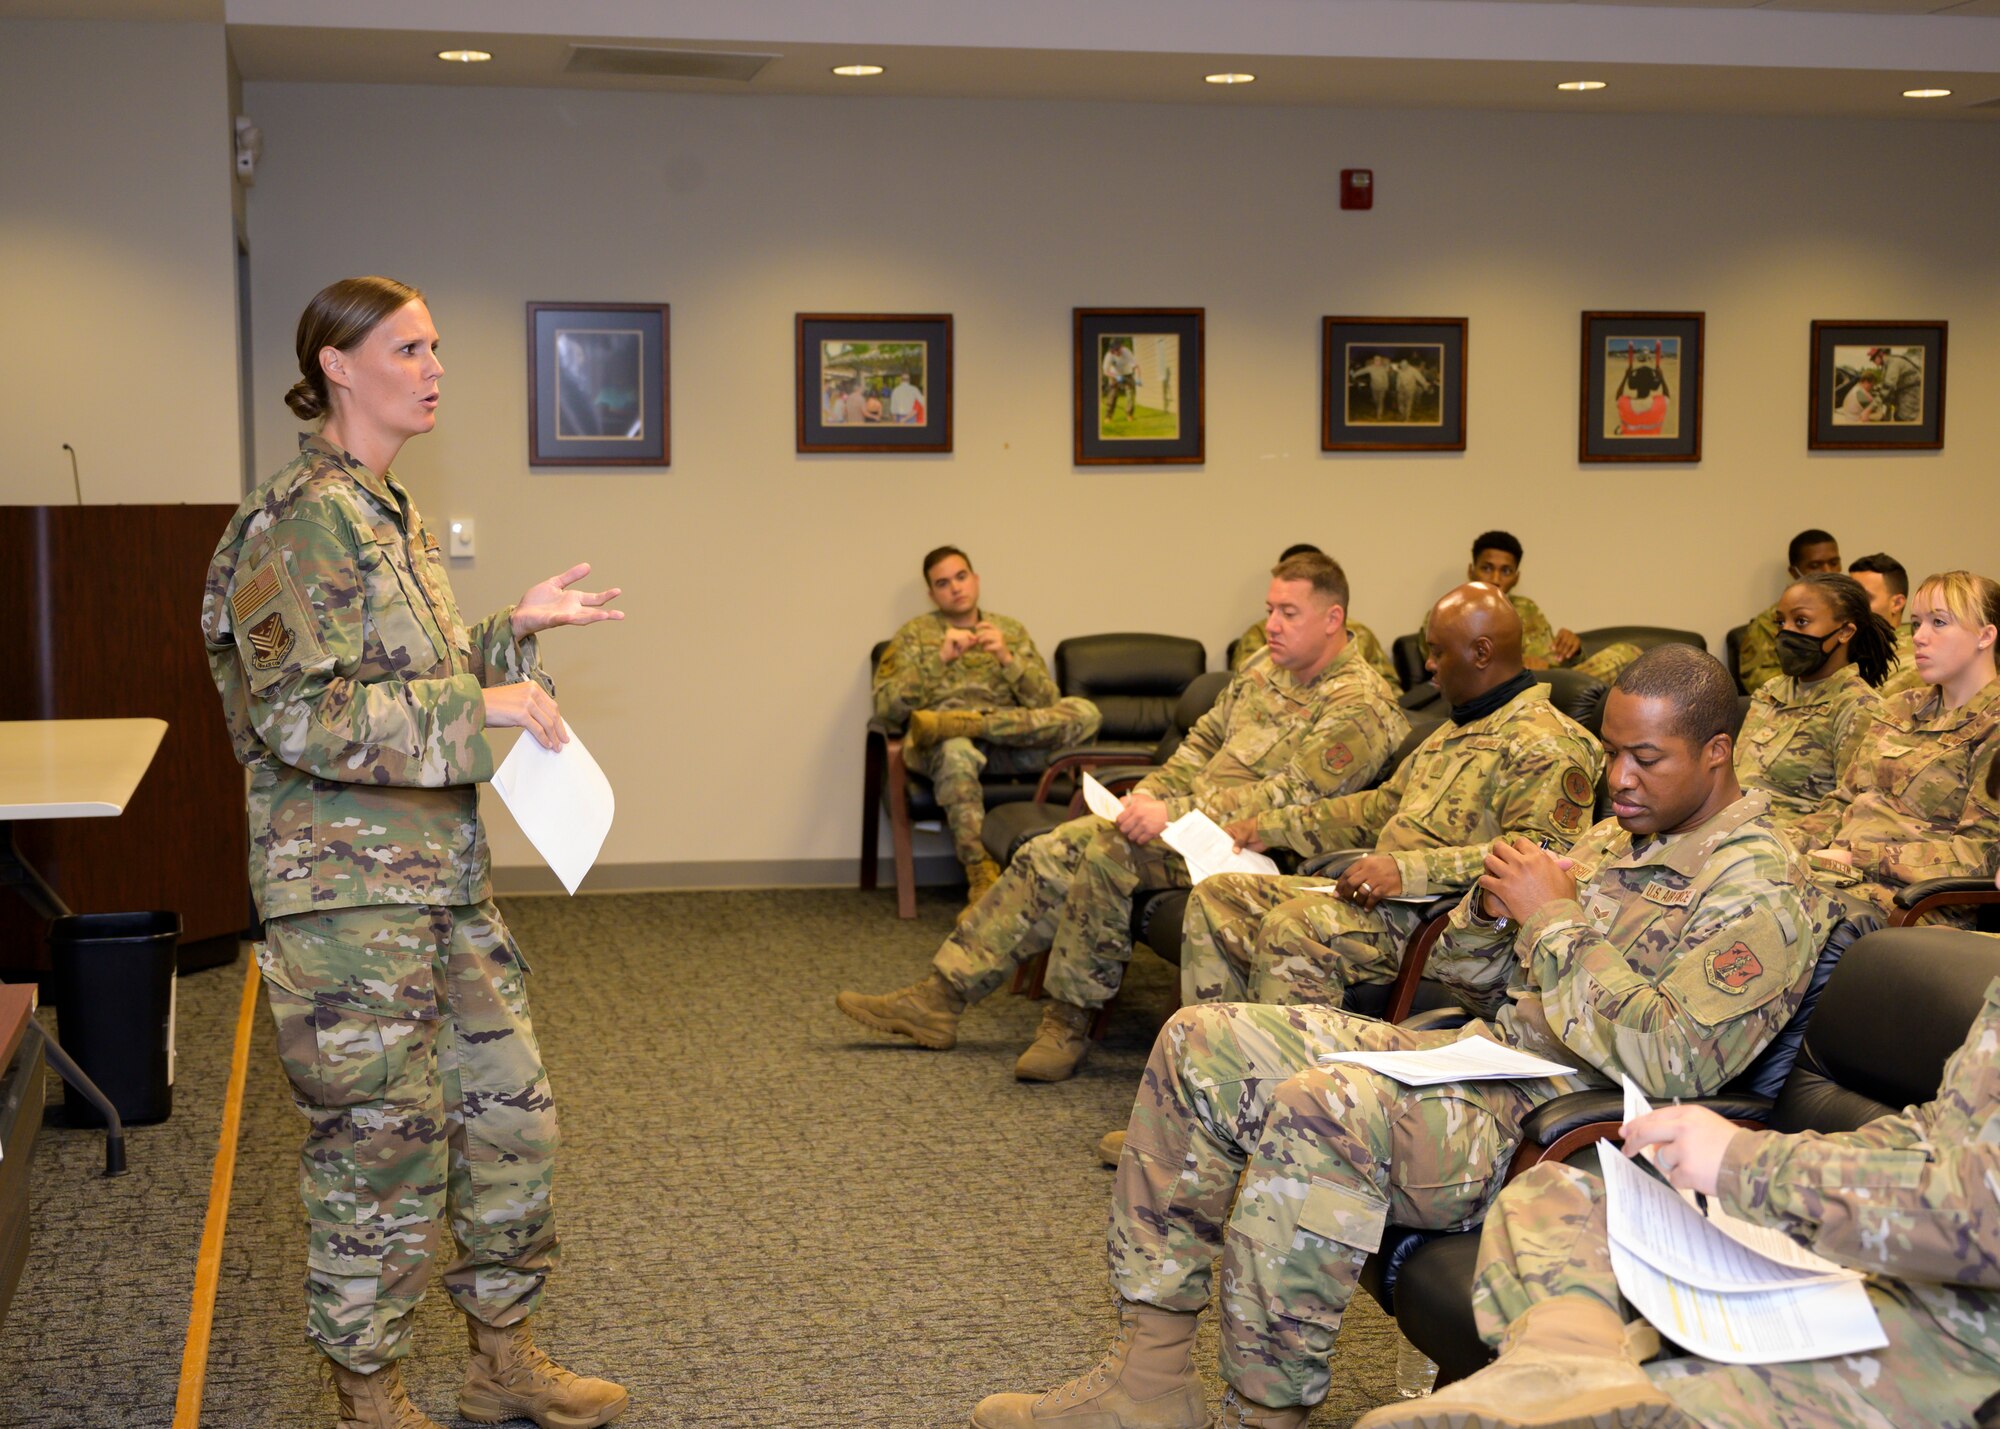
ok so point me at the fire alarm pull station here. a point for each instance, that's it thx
(1357, 188)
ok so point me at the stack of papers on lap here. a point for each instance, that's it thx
(1207, 850)
(1723, 1288)
(1470, 1059)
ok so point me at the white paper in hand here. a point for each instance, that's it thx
(1207, 850)
(561, 800)
(1100, 800)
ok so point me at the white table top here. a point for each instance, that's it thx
(73, 768)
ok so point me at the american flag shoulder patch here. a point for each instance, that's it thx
(254, 594)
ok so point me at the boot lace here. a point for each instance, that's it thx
(1097, 1376)
(527, 1361)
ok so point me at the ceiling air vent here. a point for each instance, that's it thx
(665, 64)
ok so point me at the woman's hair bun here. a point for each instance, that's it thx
(305, 402)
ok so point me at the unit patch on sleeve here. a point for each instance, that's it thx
(1734, 968)
(271, 640)
(1576, 788)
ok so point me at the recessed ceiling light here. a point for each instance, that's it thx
(1229, 78)
(1925, 93)
(465, 57)
(1580, 86)
(857, 71)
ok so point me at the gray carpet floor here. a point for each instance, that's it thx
(769, 1216)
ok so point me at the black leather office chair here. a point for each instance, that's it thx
(1644, 636)
(1406, 653)
(1893, 1010)
(1732, 655)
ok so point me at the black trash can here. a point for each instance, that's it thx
(113, 979)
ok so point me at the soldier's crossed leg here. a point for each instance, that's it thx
(1606, 664)
(404, 1032)
(1015, 742)
(1092, 940)
(1546, 1236)
(1325, 1157)
(1017, 919)
(1312, 949)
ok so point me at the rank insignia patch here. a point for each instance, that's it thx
(272, 639)
(1735, 968)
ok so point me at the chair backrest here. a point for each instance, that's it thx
(875, 656)
(1893, 1013)
(1422, 726)
(1732, 655)
(1406, 653)
(1195, 701)
(1644, 636)
(1134, 680)
(1579, 696)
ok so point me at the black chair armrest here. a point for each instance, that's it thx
(1916, 899)
(1331, 864)
(1072, 762)
(1564, 1125)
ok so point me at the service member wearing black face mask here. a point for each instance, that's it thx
(1805, 723)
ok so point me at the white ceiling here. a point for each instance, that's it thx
(1848, 58)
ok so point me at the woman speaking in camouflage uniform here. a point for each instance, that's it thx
(360, 702)
(1805, 724)
(1917, 802)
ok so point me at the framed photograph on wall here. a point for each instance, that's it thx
(1641, 387)
(874, 382)
(1877, 386)
(1392, 385)
(1138, 386)
(597, 384)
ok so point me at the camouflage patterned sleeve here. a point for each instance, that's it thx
(425, 733)
(1328, 825)
(1378, 659)
(1173, 782)
(1248, 644)
(1850, 730)
(1730, 979)
(1757, 660)
(1342, 752)
(1545, 795)
(1915, 1195)
(1538, 637)
(899, 678)
(1034, 687)
(1969, 850)
(498, 658)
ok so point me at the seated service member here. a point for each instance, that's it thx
(1307, 720)
(976, 696)
(360, 703)
(1683, 949)
(1496, 560)
(1888, 587)
(1812, 552)
(1917, 802)
(1910, 1199)
(1507, 764)
(1253, 639)
(1804, 726)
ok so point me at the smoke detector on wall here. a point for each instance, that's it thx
(249, 149)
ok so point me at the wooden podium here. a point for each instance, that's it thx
(109, 626)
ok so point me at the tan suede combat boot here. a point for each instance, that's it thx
(929, 728)
(925, 1012)
(509, 1378)
(979, 880)
(1059, 1046)
(1146, 1380)
(1241, 1413)
(376, 1401)
(1112, 1148)
(1566, 1364)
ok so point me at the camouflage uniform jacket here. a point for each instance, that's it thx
(1757, 656)
(1903, 674)
(1915, 794)
(1270, 741)
(351, 689)
(1915, 1196)
(1525, 770)
(1255, 639)
(910, 675)
(1675, 963)
(1798, 739)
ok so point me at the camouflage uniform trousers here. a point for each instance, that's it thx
(1249, 938)
(1017, 741)
(1067, 893)
(1325, 1156)
(1546, 1237)
(404, 1030)
(1607, 663)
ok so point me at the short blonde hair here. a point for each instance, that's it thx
(1971, 600)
